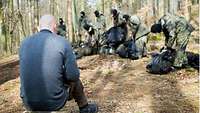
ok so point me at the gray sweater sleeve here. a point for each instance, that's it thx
(71, 69)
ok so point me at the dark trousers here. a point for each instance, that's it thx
(76, 92)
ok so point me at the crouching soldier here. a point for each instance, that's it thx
(177, 32)
(135, 47)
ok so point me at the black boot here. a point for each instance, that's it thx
(90, 108)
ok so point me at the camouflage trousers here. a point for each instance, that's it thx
(181, 44)
(100, 38)
(141, 46)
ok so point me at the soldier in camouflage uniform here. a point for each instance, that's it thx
(86, 26)
(135, 46)
(100, 28)
(100, 24)
(89, 45)
(177, 31)
(61, 30)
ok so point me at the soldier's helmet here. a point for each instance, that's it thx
(126, 17)
(61, 21)
(135, 20)
(156, 28)
(82, 13)
(96, 13)
(114, 12)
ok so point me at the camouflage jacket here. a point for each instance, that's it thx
(173, 25)
(84, 23)
(140, 31)
(61, 30)
(137, 28)
(100, 22)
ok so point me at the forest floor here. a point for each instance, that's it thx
(119, 86)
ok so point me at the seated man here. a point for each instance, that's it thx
(48, 71)
(135, 47)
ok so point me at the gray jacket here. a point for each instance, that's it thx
(46, 64)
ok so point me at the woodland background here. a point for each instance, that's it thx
(117, 85)
(20, 18)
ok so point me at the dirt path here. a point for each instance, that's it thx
(121, 86)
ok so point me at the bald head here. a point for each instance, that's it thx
(48, 22)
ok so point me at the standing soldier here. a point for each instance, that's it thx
(82, 20)
(135, 47)
(177, 31)
(100, 25)
(86, 28)
(61, 28)
(139, 35)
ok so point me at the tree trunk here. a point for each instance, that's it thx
(69, 18)
(166, 6)
(75, 20)
(103, 6)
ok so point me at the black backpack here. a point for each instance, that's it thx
(115, 36)
(162, 63)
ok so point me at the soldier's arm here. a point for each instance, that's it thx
(168, 27)
(171, 27)
(103, 21)
(64, 28)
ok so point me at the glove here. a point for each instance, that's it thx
(78, 33)
(90, 29)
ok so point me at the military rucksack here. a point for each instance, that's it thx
(162, 63)
(128, 50)
(115, 36)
